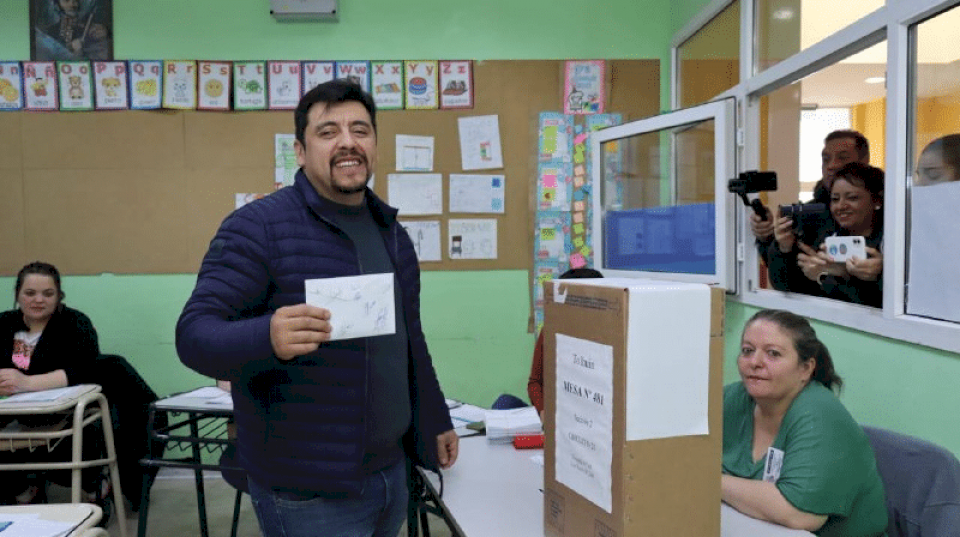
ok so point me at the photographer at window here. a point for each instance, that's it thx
(856, 208)
(840, 148)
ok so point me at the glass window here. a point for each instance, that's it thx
(785, 27)
(932, 265)
(795, 122)
(662, 201)
(709, 62)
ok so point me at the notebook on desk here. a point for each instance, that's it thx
(44, 396)
(203, 398)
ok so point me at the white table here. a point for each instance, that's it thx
(82, 516)
(495, 490)
(196, 420)
(80, 406)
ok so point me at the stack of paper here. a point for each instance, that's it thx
(44, 396)
(503, 425)
(31, 525)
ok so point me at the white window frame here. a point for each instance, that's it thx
(890, 22)
(722, 113)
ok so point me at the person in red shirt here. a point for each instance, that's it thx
(535, 383)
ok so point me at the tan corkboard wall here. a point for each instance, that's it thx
(142, 192)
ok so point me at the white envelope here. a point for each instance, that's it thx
(360, 306)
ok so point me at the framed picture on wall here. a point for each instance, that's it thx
(71, 30)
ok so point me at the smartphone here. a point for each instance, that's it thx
(843, 248)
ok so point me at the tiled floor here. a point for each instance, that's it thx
(173, 509)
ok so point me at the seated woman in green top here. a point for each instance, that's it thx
(792, 454)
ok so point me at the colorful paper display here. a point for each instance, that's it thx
(456, 84)
(146, 84)
(180, 84)
(213, 85)
(249, 85)
(40, 85)
(387, 82)
(420, 85)
(110, 85)
(11, 86)
(283, 85)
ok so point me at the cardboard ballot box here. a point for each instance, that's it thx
(633, 395)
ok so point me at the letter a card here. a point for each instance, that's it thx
(110, 85)
(420, 83)
(180, 84)
(11, 86)
(146, 84)
(456, 84)
(214, 85)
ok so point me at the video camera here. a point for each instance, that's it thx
(752, 182)
(807, 217)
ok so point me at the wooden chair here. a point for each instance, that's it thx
(79, 406)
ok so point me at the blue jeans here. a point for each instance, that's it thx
(378, 512)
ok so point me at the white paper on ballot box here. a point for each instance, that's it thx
(360, 306)
(667, 356)
(668, 360)
(584, 420)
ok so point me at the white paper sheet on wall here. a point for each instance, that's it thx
(414, 153)
(472, 238)
(415, 193)
(477, 193)
(425, 235)
(480, 142)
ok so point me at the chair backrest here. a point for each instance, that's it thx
(922, 482)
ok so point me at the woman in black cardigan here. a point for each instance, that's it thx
(48, 345)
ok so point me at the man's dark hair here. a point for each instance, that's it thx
(863, 175)
(859, 140)
(805, 342)
(870, 179)
(42, 269)
(581, 273)
(335, 91)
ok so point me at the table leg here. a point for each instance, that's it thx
(198, 476)
(144, 507)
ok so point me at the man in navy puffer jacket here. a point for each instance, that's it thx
(324, 427)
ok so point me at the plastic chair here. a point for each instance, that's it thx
(87, 405)
(922, 483)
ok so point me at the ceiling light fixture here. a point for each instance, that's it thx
(783, 14)
(875, 80)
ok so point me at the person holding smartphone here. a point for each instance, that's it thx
(856, 208)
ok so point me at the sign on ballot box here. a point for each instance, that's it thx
(633, 395)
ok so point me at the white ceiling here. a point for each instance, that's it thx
(843, 84)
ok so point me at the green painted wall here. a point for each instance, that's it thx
(475, 322)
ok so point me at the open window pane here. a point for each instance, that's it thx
(796, 121)
(662, 207)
